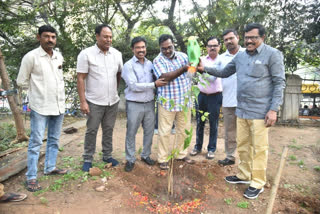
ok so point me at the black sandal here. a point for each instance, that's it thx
(32, 185)
(13, 197)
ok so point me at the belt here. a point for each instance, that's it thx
(139, 102)
(212, 94)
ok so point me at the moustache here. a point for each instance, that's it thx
(141, 52)
(250, 43)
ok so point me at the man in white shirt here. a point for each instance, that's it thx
(41, 73)
(99, 73)
(229, 100)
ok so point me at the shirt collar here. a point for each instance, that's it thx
(209, 58)
(135, 59)
(98, 50)
(44, 53)
(174, 56)
(240, 50)
(258, 49)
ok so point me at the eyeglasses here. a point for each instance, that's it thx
(212, 46)
(252, 38)
(170, 48)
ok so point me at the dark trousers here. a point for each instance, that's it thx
(210, 104)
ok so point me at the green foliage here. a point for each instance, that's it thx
(228, 201)
(7, 135)
(317, 168)
(188, 139)
(243, 204)
(292, 157)
(210, 176)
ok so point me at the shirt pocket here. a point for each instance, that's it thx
(37, 71)
(259, 70)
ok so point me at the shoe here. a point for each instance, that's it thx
(252, 193)
(164, 166)
(226, 162)
(148, 161)
(13, 197)
(156, 132)
(111, 160)
(86, 166)
(210, 155)
(173, 131)
(57, 171)
(235, 180)
(187, 160)
(129, 166)
(195, 152)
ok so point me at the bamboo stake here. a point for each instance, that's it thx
(275, 186)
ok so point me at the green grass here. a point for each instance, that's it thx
(210, 176)
(301, 163)
(228, 201)
(317, 168)
(8, 134)
(292, 157)
(294, 145)
(243, 204)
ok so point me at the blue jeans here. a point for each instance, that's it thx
(210, 104)
(38, 125)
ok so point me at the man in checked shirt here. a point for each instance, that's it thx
(172, 65)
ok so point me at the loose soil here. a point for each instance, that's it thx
(198, 188)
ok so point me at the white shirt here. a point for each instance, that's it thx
(102, 69)
(43, 76)
(229, 84)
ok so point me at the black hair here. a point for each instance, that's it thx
(100, 27)
(211, 38)
(165, 37)
(46, 28)
(251, 26)
(138, 39)
(230, 30)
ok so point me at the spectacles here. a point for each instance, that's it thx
(170, 48)
(252, 38)
(212, 46)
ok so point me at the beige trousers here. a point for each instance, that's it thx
(1, 190)
(182, 122)
(252, 139)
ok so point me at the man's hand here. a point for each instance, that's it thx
(270, 118)
(200, 67)
(160, 82)
(84, 107)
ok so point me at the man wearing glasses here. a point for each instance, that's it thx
(209, 100)
(172, 65)
(260, 84)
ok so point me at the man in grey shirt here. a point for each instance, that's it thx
(260, 84)
(137, 73)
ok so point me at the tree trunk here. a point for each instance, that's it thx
(21, 136)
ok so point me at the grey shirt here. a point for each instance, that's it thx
(260, 81)
(139, 80)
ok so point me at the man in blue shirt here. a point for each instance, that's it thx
(139, 94)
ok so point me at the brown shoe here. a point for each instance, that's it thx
(57, 171)
(164, 166)
(187, 160)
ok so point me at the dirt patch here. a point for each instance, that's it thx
(198, 188)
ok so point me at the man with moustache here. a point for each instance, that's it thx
(172, 65)
(260, 84)
(138, 76)
(41, 73)
(98, 77)
(229, 96)
(209, 100)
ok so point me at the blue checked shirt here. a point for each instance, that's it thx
(176, 90)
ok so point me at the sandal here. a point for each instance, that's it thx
(32, 185)
(164, 166)
(57, 171)
(187, 160)
(8, 197)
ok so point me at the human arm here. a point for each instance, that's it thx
(23, 79)
(227, 71)
(82, 73)
(169, 76)
(120, 66)
(84, 107)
